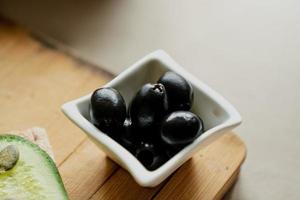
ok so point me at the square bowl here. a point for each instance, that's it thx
(218, 115)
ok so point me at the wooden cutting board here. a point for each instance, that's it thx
(36, 79)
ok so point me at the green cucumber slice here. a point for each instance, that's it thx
(34, 176)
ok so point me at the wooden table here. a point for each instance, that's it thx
(36, 79)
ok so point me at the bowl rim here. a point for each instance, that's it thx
(143, 176)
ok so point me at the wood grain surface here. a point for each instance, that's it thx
(35, 80)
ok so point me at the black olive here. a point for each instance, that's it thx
(159, 160)
(145, 153)
(150, 156)
(148, 108)
(127, 138)
(180, 92)
(172, 151)
(181, 128)
(108, 110)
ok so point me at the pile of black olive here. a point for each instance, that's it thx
(157, 124)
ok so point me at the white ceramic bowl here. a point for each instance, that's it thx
(217, 113)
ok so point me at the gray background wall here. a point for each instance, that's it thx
(249, 51)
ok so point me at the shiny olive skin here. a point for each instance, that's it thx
(181, 128)
(108, 110)
(148, 108)
(128, 136)
(150, 156)
(180, 92)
